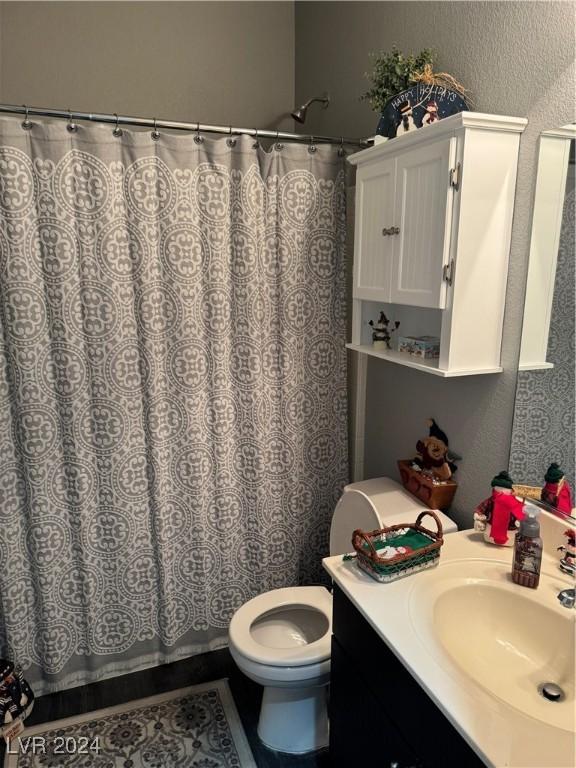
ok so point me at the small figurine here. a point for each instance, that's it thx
(16, 696)
(433, 452)
(568, 562)
(497, 515)
(431, 115)
(381, 333)
(388, 552)
(557, 492)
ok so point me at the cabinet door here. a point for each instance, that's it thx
(360, 733)
(423, 215)
(374, 214)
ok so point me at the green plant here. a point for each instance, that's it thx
(392, 74)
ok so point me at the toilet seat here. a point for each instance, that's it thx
(241, 639)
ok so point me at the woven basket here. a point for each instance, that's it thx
(389, 569)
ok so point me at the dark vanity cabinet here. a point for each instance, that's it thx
(379, 715)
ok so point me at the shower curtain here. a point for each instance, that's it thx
(172, 388)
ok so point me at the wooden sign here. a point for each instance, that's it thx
(417, 107)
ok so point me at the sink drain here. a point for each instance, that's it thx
(551, 691)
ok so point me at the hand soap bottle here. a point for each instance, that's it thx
(527, 551)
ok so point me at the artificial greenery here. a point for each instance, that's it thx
(393, 73)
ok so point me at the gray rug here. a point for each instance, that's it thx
(196, 727)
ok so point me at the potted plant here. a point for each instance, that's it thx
(408, 94)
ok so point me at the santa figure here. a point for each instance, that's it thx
(406, 119)
(557, 492)
(568, 562)
(497, 515)
(431, 115)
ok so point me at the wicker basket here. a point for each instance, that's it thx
(389, 569)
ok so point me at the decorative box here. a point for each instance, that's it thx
(435, 494)
(420, 346)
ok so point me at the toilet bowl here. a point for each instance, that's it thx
(281, 639)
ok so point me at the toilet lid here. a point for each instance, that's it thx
(292, 597)
(354, 510)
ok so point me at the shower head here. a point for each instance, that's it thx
(299, 114)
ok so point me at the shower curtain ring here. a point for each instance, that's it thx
(341, 150)
(279, 147)
(26, 123)
(256, 142)
(71, 127)
(198, 139)
(155, 133)
(230, 141)
(117, 130)
(311, 146)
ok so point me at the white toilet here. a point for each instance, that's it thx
(281, 639)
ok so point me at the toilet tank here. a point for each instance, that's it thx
(373, 504)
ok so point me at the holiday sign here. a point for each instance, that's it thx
(418, 106)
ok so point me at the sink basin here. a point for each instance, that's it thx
(508, 639)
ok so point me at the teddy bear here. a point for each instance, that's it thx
(432, 455)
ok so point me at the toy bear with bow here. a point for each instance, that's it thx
(433, 452)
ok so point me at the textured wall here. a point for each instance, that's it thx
(1, 46)
(214, 62)
(517, 59)
(544, 417)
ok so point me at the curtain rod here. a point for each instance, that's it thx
(147, 122)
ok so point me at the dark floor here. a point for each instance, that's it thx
(199, 669)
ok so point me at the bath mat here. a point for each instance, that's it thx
(196, 727)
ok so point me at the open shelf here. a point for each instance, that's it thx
(428, 366)
(535, 366)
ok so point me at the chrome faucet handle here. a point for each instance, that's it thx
(567, 597)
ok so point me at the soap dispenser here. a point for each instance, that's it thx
(527, 551)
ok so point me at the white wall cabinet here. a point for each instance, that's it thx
(433, 221)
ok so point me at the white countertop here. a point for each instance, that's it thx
(500, 734)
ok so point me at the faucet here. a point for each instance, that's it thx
(567, 597)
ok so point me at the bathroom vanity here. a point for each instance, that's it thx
(376, 706)
(441, 669)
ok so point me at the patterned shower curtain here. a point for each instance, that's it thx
(172, 389)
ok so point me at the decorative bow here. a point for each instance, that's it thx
(441, 79)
